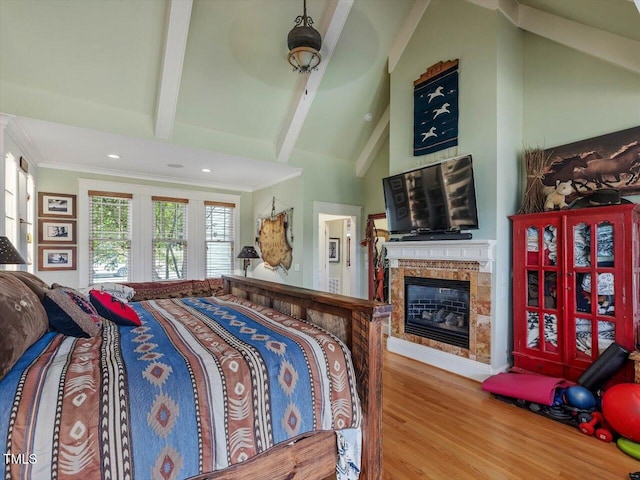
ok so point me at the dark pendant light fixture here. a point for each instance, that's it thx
(304, 43)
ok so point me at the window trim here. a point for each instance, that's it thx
(142, 235)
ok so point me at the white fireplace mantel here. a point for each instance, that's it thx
(481, 251)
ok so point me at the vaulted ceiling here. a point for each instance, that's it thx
(205, 83)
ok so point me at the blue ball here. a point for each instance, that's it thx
(580, 397)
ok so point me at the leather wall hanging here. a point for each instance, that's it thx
(275, 238)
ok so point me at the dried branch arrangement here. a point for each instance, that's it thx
(535, 161)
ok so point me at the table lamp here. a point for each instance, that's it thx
(247, 253)
(8, 253)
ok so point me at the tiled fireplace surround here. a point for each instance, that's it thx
(467, 260)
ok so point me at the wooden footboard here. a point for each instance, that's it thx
(359, 324)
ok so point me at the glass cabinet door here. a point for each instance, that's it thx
(592, 263)
(542, 289)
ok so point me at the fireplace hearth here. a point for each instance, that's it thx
(437, 309)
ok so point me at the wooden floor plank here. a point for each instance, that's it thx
(438, 425)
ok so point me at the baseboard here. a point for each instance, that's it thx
(446, 361)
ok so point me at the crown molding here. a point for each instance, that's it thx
(22, 139)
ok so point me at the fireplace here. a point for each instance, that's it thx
(437, 309)
(460, 271)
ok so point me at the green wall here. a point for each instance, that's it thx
(453, 29)
(515, 89)
(287, 194)
(509, 110)
(489, 50)
(571, 96)
(325, 179)
(373, 202)
(372, 193)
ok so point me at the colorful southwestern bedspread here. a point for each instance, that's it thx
(202, 384)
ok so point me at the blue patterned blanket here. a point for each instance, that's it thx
(202, 384)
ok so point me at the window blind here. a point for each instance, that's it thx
(169, 238)
(219, 235)
(109, 236)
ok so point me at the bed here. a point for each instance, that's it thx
(84, 407)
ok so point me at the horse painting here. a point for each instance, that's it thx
(607, 161)
(564, 170)
(608, 172)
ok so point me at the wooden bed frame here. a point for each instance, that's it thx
(358, 323)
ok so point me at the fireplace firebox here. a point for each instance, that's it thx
(437, 309)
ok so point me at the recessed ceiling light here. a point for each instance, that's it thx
(113, 155)
(206, 170)
(368, 117)
(174, 165)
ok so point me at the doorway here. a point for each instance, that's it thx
(337, 266)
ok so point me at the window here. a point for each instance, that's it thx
(109, 236)
(219, 235)
(10, 193)
(18, 208)
(31, 192)
(170, 233)
(169, 238)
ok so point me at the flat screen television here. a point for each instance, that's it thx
(436, 198)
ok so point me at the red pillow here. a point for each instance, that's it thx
(114, 309)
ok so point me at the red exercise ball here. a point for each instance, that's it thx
(621, 409)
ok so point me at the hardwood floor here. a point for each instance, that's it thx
(438, 425)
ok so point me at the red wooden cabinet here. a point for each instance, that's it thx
(576, 287)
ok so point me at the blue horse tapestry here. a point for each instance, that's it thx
(435, 101)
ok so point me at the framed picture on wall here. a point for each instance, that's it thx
(58, 205)
(333, 250)
(56, 231)
(56, 258)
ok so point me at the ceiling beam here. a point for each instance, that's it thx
(509, 8)
(406, 32)
(373, 145)
(606, 46)
(308, 86)
(620, 51)
(172, 61)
